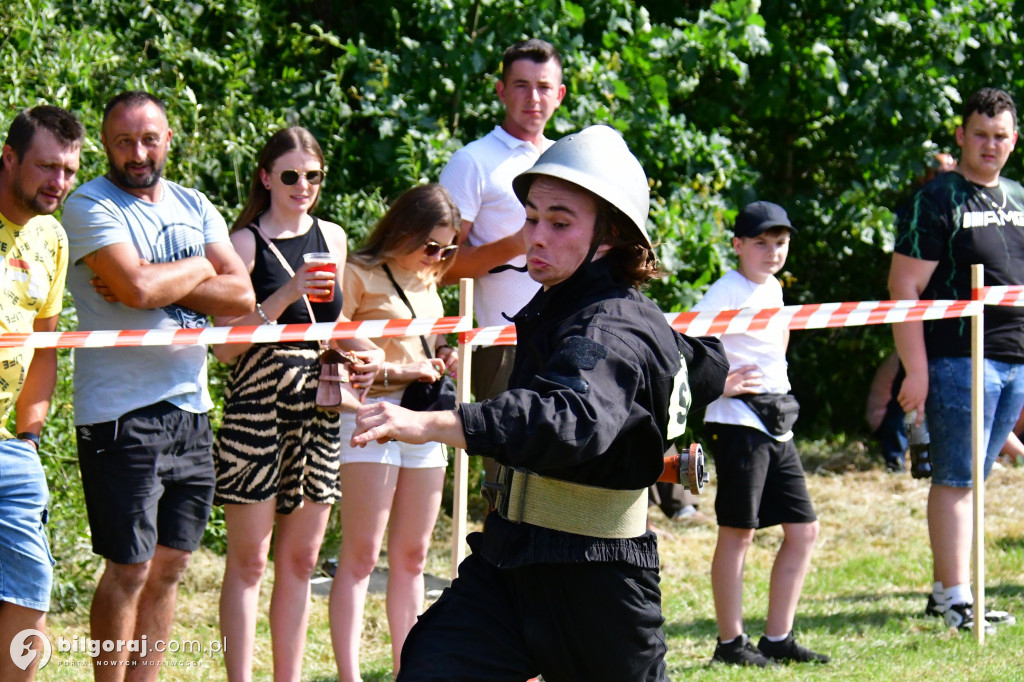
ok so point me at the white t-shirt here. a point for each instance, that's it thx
(765, 349)
(110, 382)
(479, 178)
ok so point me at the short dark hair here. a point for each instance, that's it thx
(534, 49)
(133, 98)
(990, 102)
(61, 123)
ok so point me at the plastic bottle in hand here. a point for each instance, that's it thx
(917, 436)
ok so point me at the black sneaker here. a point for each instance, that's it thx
(739, 652)
(961, 617)
(788, 650)
(933, 609)
(993, 616)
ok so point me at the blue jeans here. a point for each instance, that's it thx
(26, 566)
(948, 410)
(892, 436)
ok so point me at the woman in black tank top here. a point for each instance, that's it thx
(277, 453)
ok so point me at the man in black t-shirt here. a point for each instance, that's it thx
(958, 219)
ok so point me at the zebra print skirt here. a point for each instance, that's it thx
(274, 442)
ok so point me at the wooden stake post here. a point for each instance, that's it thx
(978, 453)
(460, 484)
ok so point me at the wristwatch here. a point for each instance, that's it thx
(29, 436)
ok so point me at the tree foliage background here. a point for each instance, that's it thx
(830, 108)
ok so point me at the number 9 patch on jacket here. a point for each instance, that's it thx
(679, 405)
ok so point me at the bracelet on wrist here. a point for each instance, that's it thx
(266, 320)
(30, 437)
(385, 366)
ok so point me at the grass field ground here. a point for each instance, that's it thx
(862, 602)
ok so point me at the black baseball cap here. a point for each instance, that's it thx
(759, 217)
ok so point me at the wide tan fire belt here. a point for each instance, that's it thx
(576, 508)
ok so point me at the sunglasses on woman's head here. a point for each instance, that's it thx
(432, 248)
(290, 177)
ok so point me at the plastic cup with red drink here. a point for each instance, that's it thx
(321, 261)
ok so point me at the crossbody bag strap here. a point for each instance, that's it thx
(283, 261)
(405, 300)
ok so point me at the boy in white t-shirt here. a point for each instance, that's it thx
(760, 478)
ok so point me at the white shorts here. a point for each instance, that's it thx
(425, 456)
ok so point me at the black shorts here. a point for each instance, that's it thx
(148, 478)
(567, 622)
(761, 481)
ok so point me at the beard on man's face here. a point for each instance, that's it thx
(36, 203)
(123, 176)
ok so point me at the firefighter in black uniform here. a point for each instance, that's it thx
(563, 580)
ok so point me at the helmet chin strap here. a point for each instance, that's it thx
(591, 252)
(507, 266)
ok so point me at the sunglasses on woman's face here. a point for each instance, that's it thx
(432, 248)
(290, 177)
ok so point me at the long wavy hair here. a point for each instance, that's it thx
(632, 261)
(280, 143)
(407, 226)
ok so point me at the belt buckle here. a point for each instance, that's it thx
(500, 487)
(504, 488)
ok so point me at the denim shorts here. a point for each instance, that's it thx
(26, 566)
(948, 412)
(396, 453)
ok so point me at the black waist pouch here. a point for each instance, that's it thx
(777, 411)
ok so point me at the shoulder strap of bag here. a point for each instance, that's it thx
(405, 300)
(284, 263)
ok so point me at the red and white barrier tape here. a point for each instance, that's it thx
(267, 333)
(1001, 295)
(808, 316)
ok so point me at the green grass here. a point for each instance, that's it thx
(861, 603)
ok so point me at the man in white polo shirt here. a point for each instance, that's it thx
(479, 178)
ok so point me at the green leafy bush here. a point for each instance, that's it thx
(830, 109)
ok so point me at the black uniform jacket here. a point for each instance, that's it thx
(588, 402)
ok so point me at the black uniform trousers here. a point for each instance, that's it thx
(575, 622)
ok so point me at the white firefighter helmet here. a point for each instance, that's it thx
(597, 159)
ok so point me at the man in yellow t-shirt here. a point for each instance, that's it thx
(37, 169)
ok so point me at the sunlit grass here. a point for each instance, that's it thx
(862, 601)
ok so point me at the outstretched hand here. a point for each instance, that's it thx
(384, 421)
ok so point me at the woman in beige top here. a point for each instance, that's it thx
(393, 486)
